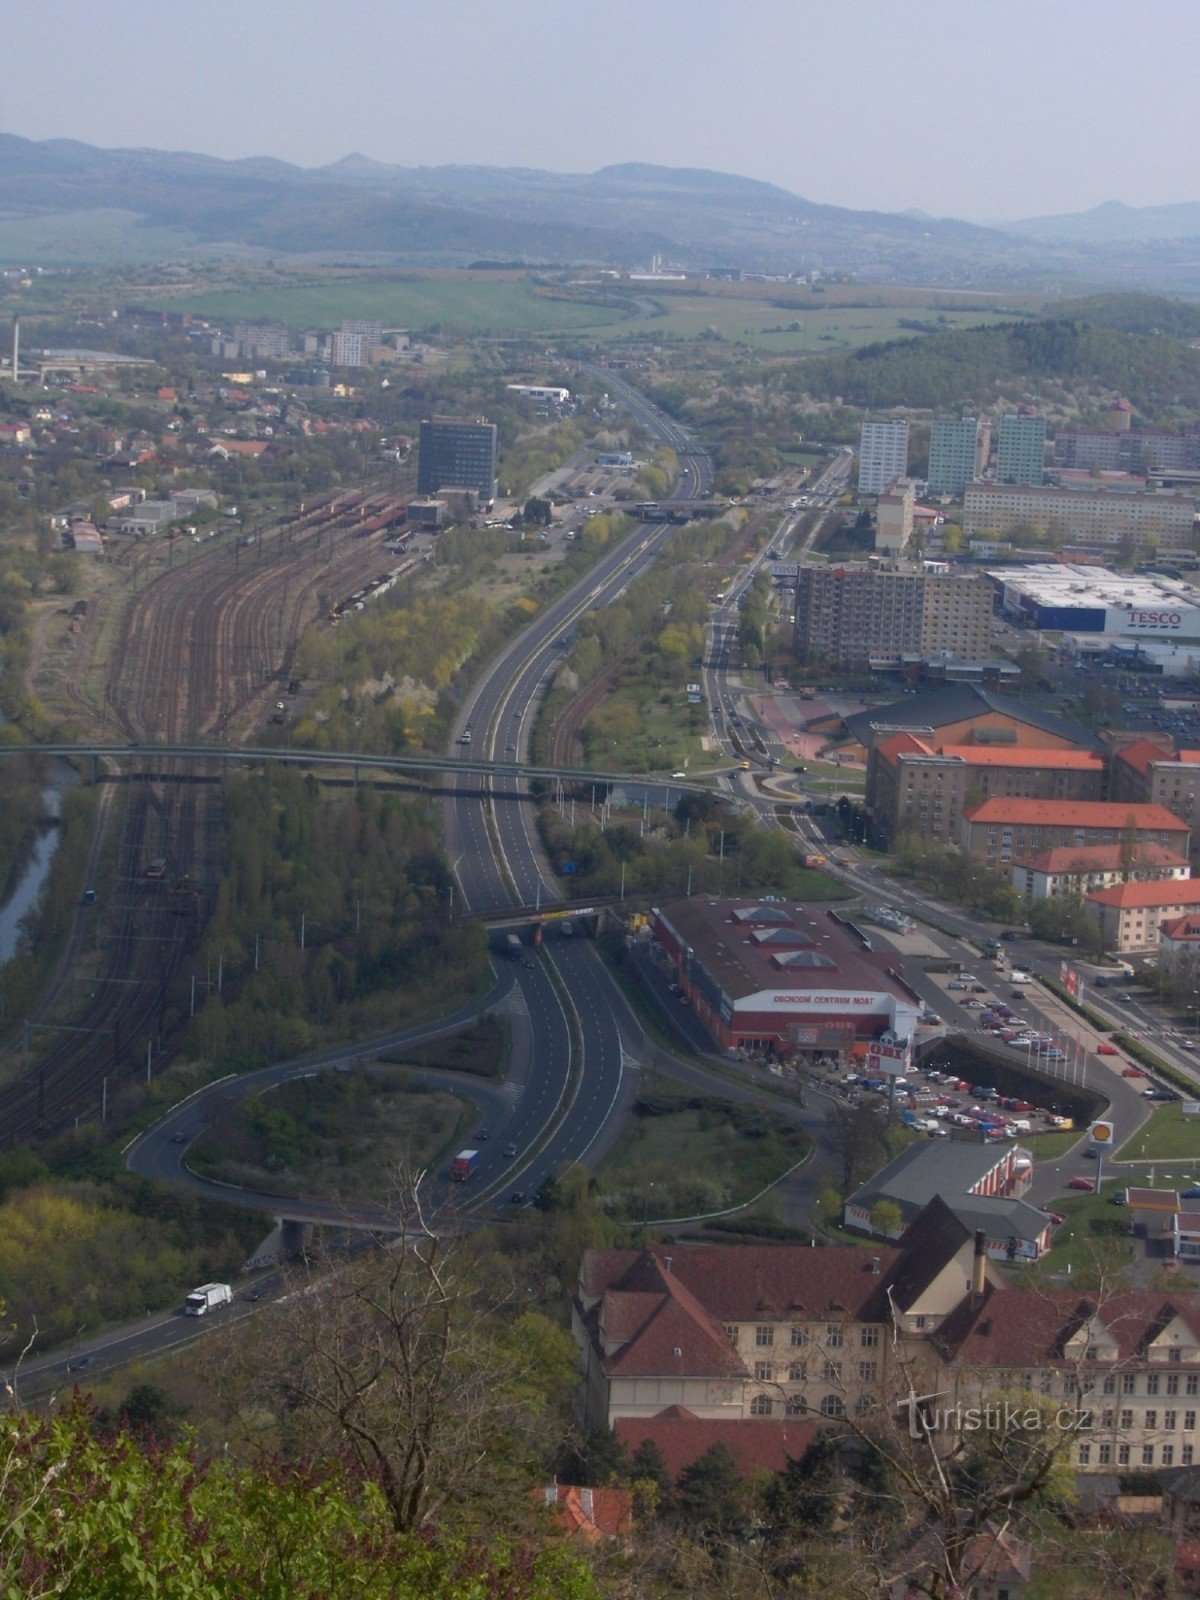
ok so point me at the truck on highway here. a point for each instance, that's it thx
(813, 860)
(512, 947)
(207, 1298)
(463, 1166)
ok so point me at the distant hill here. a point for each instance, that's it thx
(369, 211)
(1114, 223)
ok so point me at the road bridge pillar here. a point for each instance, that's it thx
(294, 1238)
(95, 771)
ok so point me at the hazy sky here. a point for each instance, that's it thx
(978, 108)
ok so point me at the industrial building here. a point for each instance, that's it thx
(1082, 516)
(772, 978)
(457, 453)
(1085, 599)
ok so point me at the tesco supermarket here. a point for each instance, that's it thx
(770, 977)
(1121, 607)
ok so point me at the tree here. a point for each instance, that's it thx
(858, 1139)
(708, 1499)
(886, 1218)
(400, 1357)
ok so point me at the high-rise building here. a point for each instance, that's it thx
(867, 616)
(958, 449)
(348, 350)
(882, 455)
(457, 453)
(1021, 450)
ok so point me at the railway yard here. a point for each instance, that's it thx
(204, 648)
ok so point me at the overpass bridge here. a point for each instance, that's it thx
(258, 755)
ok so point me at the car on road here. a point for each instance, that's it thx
(179, 1138)
(1165, 1095)
(1086, 1184)
(1126, 999)
(517, 1198)
(465, 738)
(510, 1150)
(1106, 1049)
(1132, 1072)
(482, 1134)
(1191, 1194)
(84, 1361)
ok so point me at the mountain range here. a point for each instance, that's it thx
(356, 209)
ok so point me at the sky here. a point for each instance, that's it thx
(983, 109)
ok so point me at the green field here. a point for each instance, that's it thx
(89, 238)
(1168, 1136)
(766, 327)
(451, 306)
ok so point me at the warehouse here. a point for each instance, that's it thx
(769, 977)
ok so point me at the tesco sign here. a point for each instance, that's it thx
(1136, 618)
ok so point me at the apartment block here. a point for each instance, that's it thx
(880, 617)
(1144, 771)
(997, 833)
(914, 786)
(1129, 916)
(958, 452)
(1021, 449)
(882, 455)
(894, 517)
(1080, 516)
(1071, 870)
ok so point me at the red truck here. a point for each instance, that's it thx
(463, 1166)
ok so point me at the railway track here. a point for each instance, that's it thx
(203, 642)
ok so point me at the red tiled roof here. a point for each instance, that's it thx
(1102, 857)
(1185, 927)
(1158, 892)
(994, 755)
(1140, 753)
(739, 1283)
(903, 744)
(756, 1443)
(1076, 814)
(1029, 1327)
(591, 1513)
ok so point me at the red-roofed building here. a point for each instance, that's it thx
(769, 977)
(590, 1514)
(914, 786)
(1069, 870)
(1129, 916)
(1145, 771)
(757, 1444)
(997, 833)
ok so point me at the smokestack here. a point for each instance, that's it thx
(16, 351)
(979, 1265)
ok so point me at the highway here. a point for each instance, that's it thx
(588, 1045)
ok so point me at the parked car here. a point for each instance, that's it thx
(1106, 1049)
(1086, 1184)
(1132, 1072)
(1056, 1217)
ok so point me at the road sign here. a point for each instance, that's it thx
(1102, 1134)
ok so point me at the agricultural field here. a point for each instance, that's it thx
(458, 306)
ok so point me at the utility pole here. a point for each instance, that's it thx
(149, 1058)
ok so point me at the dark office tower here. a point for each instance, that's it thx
(457, 453)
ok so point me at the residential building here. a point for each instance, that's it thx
(958, 453)
(768, 977)
(348, 350)
(1083, 517)
(1129, 916)
(1179, 946)
(1021, 449)
(982, 1184)
(894, 517)
(1144, 771)
(917, 787)
(686, 1336)
(882, 455)
(264, 341)
(1070, 870)
(1139, 450)
(457, 453)
(884, 617)
(998, 832)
